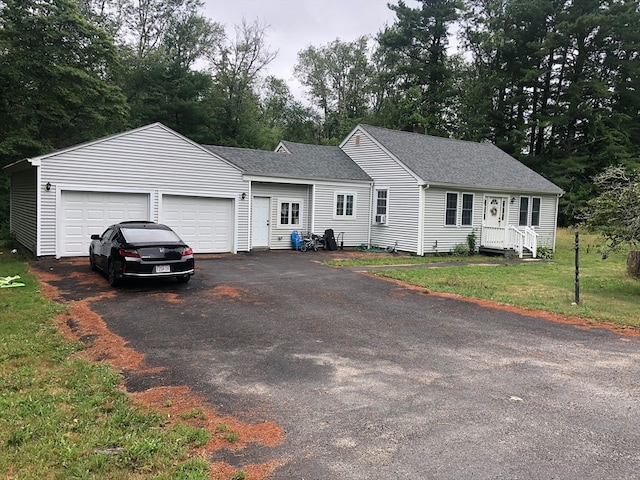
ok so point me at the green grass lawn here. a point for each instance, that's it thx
(606, 292)
(62, 417)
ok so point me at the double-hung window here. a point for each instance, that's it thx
(345, 205)
(289, 213)
(458, 209)
(529, 214)
(382, 205)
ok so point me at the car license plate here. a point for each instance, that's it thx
(163, 268)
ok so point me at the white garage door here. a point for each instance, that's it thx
(86, 213)
(205, 224)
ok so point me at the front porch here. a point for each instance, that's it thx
(521, 241)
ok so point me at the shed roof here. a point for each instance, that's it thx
(445, 161)
(303, 162)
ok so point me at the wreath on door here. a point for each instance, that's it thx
(494, 211)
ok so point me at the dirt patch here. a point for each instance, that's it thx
(578, 322)
(180, 404)
(177, 404)
(168, 297)
(226, 291)
(235, 293)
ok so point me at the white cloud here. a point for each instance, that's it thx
(296, 24)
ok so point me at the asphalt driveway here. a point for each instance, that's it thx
(372, 380)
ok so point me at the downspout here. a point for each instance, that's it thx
(421, 210)
(371, 213)
(313, 208)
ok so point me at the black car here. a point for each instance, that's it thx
(141, 250)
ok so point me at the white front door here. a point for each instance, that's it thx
(260, 222)
(494, 212)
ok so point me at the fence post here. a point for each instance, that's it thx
(577, 281)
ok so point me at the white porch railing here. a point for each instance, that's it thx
(510, 238)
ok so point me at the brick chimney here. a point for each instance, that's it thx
(418, 128)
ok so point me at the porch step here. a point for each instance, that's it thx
(504, 252)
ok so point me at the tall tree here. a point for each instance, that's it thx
(56, 85)
(417, 43)
(339, 80)
(237, 70)
(285, 117)
(56, 81)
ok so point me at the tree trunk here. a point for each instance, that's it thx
(633, 264)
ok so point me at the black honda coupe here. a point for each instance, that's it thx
(141, 250)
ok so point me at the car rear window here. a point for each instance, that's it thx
(149, 235)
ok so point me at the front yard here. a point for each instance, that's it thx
(607, 294)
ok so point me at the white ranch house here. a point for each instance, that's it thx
(378, 187)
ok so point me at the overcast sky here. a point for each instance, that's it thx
(296, 24)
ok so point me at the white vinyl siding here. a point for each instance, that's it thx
(280, 235)
(355, 230)
(440, 237)
(24, 211)
(403, 209)
(547, 229)
(152, 158)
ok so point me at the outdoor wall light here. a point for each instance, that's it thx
(243, 196)
(513, 199)
(48, 186)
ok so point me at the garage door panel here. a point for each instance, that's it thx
(206, 224)
(86, 213)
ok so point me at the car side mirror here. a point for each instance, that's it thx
(95, 237)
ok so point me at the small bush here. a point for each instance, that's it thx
(472, 241)
(544, 252)
(460, 250)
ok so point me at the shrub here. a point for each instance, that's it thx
(460, 250)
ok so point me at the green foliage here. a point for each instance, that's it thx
(472, 241)
(460, 250)
(615, 212)
(64, 418)
(544, 253)
(416, 58)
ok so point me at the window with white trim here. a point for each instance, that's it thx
(344, 205)
(382, 205)
(289, 213)
(458, 209)
(529, 213)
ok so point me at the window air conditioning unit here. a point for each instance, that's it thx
(381, 219)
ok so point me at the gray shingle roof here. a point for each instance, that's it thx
(445, 161)
(304, 162)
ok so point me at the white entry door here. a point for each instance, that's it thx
(494, 212)
(260, 221)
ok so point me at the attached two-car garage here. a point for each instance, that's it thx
(206, 224)
(60, 199)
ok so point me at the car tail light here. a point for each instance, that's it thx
(187, 251)
(128, 253)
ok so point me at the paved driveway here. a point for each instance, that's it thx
(372, 380)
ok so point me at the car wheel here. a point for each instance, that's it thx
(183, 279)
(92, 261)
(113, 279)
